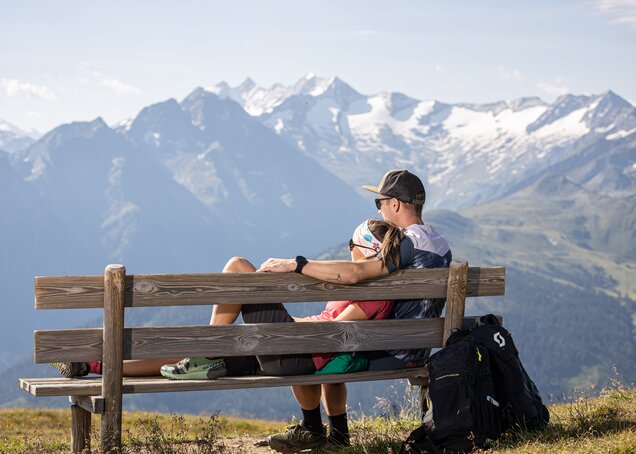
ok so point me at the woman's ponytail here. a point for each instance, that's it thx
(390, 250)
(391, 236)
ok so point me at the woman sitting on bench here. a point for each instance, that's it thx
(366, 242)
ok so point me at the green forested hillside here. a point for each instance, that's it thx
(570, 260)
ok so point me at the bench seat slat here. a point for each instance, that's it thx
(242, 339)
(93, 386)
(71, 292)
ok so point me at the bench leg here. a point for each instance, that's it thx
(80, 430)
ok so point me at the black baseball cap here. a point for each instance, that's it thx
(402, 185)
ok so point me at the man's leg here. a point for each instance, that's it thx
(309, 433)
(308, 397)
(334, 399)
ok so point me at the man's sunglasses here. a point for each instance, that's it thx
(378, 202)
(352, 245)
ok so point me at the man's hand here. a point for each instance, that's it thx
(278, 266)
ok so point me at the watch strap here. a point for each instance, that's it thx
(300, 264)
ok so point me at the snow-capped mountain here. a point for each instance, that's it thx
(13, 138)
(257, 100)
(468, 153)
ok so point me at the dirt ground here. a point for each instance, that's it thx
(247, 445)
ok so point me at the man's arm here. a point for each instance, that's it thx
(337, 271)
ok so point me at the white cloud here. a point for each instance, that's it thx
(556, 88)
(120, 87)
(14, 87)
(92, 75)
(438, 68)
(33, 115)
(623, 11)
(506, 74)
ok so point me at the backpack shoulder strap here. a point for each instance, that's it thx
(488, 319)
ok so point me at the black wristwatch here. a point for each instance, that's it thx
(300, 264)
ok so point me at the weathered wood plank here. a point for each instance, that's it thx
(243, 339)
(69, 292)
(92, 386)
(144, 343)
(456, 298)
(113, 355)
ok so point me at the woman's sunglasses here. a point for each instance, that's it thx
(352, 245)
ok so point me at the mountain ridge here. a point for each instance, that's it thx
(186, 184)
(500, 140)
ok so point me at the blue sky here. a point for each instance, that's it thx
(65, 61)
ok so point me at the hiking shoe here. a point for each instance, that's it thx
(329, 447)
(195, 369)
(70, 370)
(296, 438)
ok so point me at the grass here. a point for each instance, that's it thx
(48, 431)
(579, 425)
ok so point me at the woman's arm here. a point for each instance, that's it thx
(352, 312)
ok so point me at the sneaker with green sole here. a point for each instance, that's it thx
(295, 439)
(195, 369)
(70, 370)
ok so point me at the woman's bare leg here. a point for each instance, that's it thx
(226, 314)
(146, 367)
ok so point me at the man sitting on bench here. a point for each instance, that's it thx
(401, 197)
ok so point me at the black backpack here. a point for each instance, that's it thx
(521, 404)
(477, 389)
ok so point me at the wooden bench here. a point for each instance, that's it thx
(114, 342)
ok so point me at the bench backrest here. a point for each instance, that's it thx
(115, 290)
